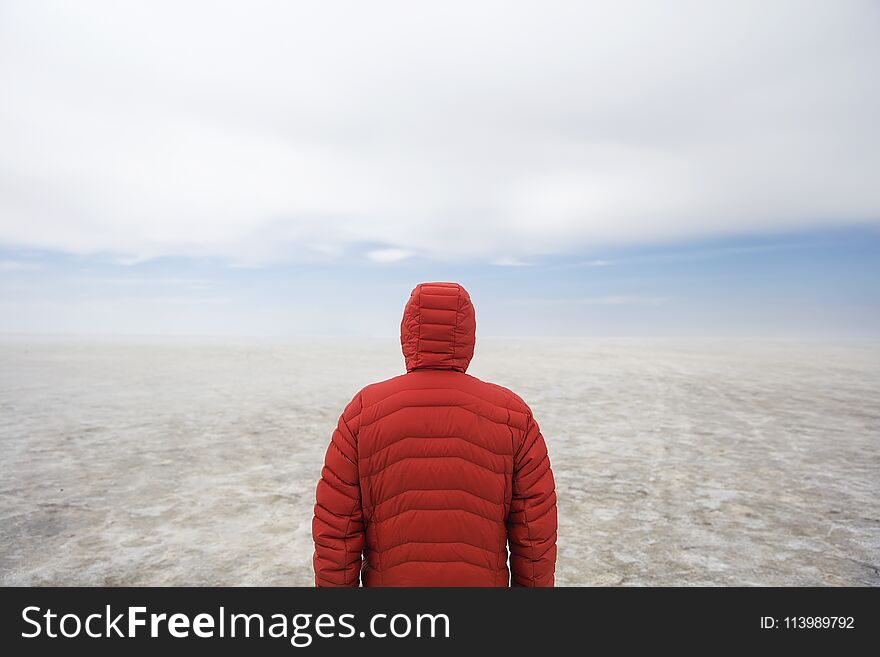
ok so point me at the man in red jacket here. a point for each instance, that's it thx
(431, 475)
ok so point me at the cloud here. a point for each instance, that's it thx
(619, 300)
(389, 255)
(184, 300)
(604, 300)
(18, 265)
(146, 281)
(304, 131)
(508, 261)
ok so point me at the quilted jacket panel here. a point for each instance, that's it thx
(432, 476)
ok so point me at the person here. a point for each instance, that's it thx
(431, 475)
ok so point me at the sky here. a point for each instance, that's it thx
(626, 169)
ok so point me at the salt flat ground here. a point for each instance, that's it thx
(691, 463)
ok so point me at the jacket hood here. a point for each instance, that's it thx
(439, 328)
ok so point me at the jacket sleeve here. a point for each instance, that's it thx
(531, 523)
(338, 525)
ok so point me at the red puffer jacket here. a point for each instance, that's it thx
(432, 474)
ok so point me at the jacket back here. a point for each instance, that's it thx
(432, 475)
